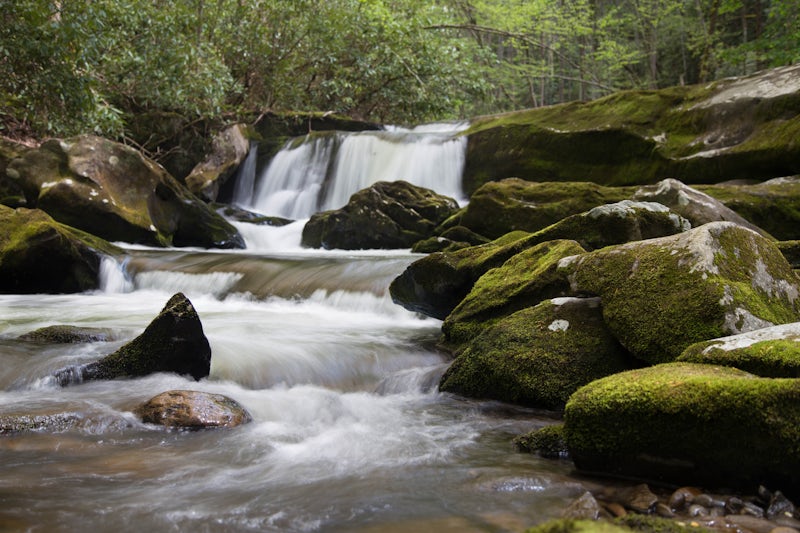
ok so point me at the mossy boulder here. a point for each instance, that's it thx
(662, 295)
(538, 356)
(173, 342)
(688, 423)
(187, 409)
(39, 255)
(697, 207)
(514, 204)
(228, 149)
(66, 334)
(385, 215)
(524, 280)
(769, 352)
(547, 442)
(449, 240)
(773, 205)
(435, 284)
(743, 128)
(110, 190)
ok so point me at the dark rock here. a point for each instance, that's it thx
(682, 497)
(779, 506)
(110, 190)
(228, 149)
(385, 215)
(39, 255)
(791, 251)
(193, 410)
(65, 334)
(243, 215)
(173, 342)
(11, 193)
(639, 498)
(547, 442)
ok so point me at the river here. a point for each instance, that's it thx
(349, 432)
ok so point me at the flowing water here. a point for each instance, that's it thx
(349, 432)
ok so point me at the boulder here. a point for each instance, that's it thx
(228, 149)
(682, 423)
(173, 342)
(39, 255)
(769, 352)
(65, 334)
(186, 409)
(738, 128)
(697, 207)
(661, 295)
(773, 206)
(514, 204)
(449, 240)
(547, 442)
(791, 251)
(385, 215)
(525, 280)
(435, 284)
(538, 356)
(11, 193)
(243, 215)
(110, 190)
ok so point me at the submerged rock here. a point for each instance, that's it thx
(661, 295)
(688, 423)
(538, 356)
(39, 255)
(173, 342)
(188, 409)
(384, 215)
(110, 190)
(769, 352)
(66, 334)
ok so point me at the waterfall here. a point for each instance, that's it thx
(245, 178)
(322, 170)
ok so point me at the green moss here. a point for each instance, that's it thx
(628, 523)
(547, 441)
(655, 524)
(577, 526)
(779, 358)
(688, 423)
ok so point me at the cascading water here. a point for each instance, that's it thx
(322, 170)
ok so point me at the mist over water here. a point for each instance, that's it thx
(349, 431)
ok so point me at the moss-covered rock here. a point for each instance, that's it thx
(173, 342)
(742, 128)
(186, 409)
(688, 423)
(525, 280)
(385, 215)
(66, 334)
(547, 441)
(228, 149)
(435, 284)
(661, 295)
(769, 352)
(514, 204)
(110, 190)
(37, 254)
(697, 207)
(773, 205)
(11, 193)
(538, 356)
(791, 251)
(624, 524)
(243, 215)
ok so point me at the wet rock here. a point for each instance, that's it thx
(616, 509)
(66, 334)
(696, 510)
(734, 505)
(663, 510)
(584, 508)
(779, 506)
(193, 410)
(639, 498)
(385, 215)
(682, 422)
(228, 149)
(56, 423)
(706, 500)
(112, 191)
(173, 342)
(243, 215)
(662, 295)
(547, 442)
(538, 356)
(751, 523)
(39, 255)
(683, 497)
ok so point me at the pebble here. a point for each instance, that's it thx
(779, 505)
(696, 510)
(616, 509)
(640, 499)
(663, 510)
(584, 508)
(682, 498)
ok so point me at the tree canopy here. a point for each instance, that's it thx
(87, 65)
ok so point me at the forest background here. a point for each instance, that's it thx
(79, 66)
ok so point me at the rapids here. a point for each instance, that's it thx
(349, 432)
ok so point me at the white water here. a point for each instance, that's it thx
(322, 170)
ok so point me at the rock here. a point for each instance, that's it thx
(697, 207)
(187, 409)
(697, 134)
(584, 508)
(779, 506)
(538, 356)
(110, 190)
(662, 295)
(65, 334)
(243, 215)
(639, 499)
(11, 193)
(450, 240)
(547, 442)
(525, 280)
(384, 215)
(680, 422)
(55, 423)
(173, 342)
(228, 149)
(791, 251)
(682, 498)
(750, 523)
(569, 525)
(39, 255)
(768, 352)
(773, 206)
(435, 284)
(514, 204)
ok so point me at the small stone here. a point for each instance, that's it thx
(696, 510)
(663, 510)
(193, 410)
(640, 499)
(779, 505)
(734, 505)
(707, 500)
(616, 509)
(584, 508)
(752, 509)
(682, 497)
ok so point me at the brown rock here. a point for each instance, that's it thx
(193, 410)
